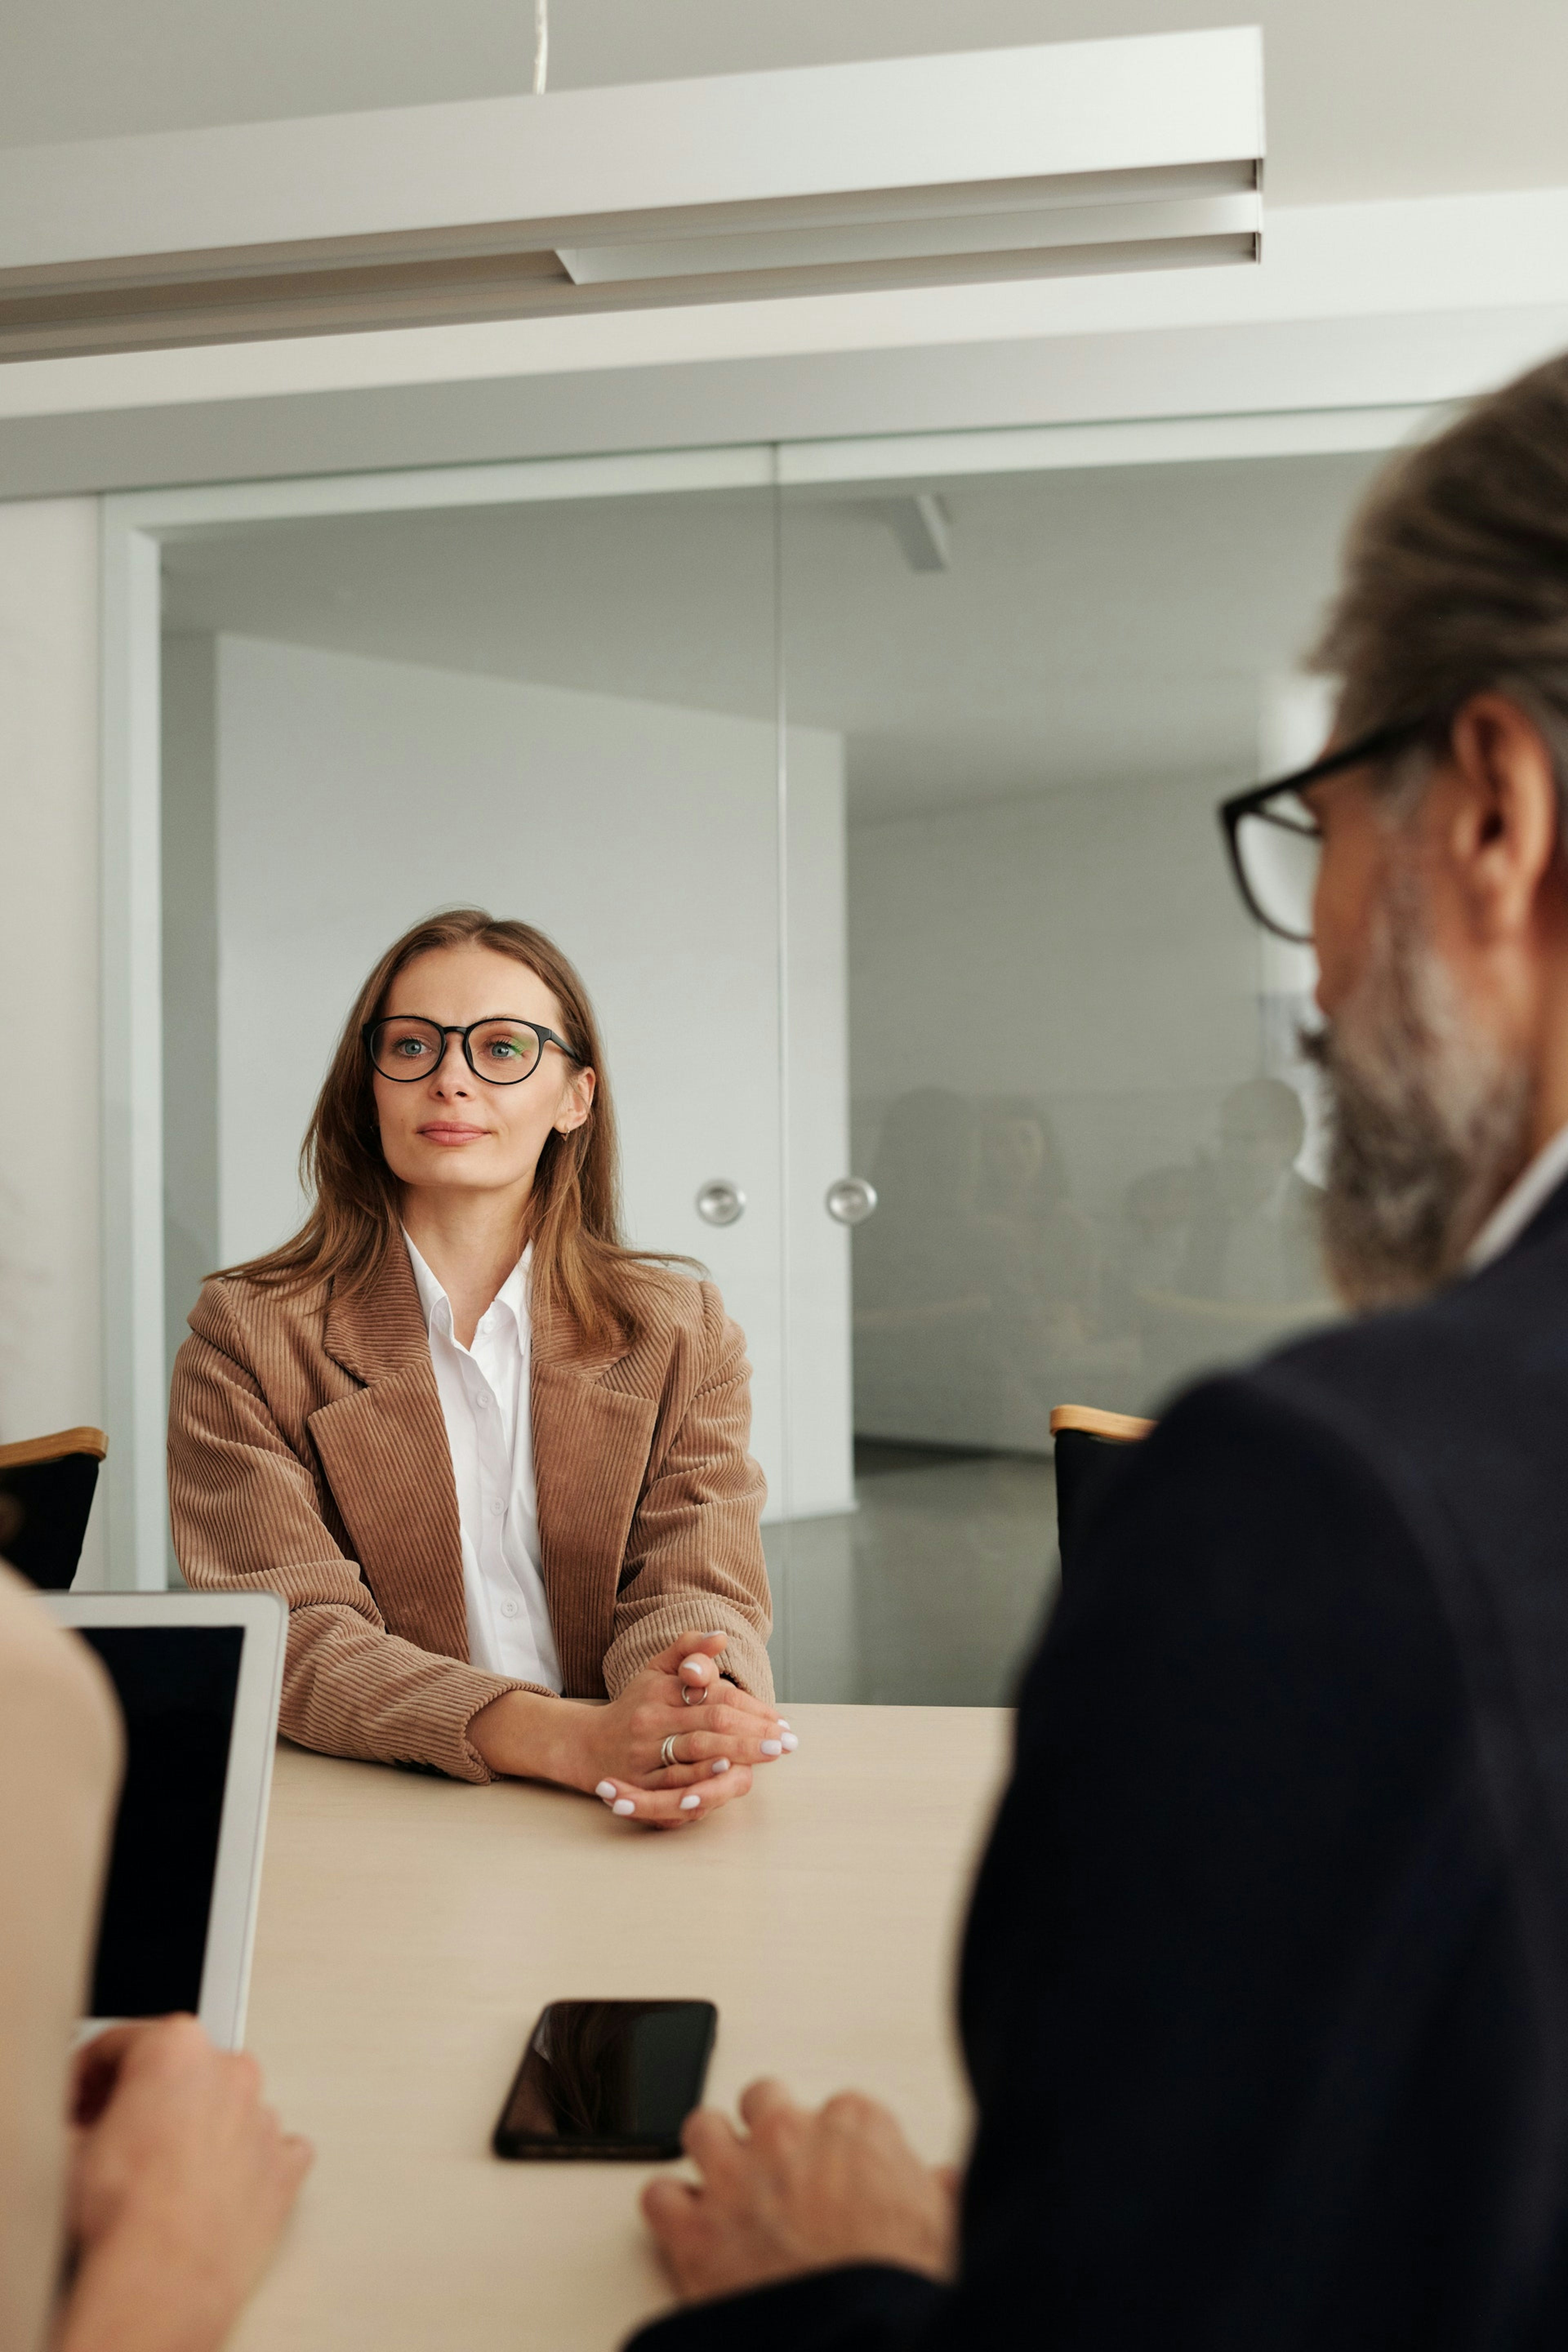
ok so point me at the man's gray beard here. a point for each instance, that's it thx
(1430, 1123)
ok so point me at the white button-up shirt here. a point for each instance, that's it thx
(1520, 1202)
(485, 1402)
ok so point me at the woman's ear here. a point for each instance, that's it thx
(578, 1103)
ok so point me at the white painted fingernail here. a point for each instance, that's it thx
(718, 1635)
(606, 1789)
(689, 1804)
(623, 1805)
(692, 1665)
(783, 1725)
(721, 1764)
(790, 1743)
(773, 1748)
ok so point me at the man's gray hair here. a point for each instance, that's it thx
(1455, 572)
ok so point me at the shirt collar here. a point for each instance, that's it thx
(513, 1292)
(434, 1303)
(437, 1307)
(1520, 1202)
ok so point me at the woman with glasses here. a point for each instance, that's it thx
(495, 1461)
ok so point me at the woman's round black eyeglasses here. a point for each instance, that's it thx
(503, 1051)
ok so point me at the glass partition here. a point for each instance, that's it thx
(1074, 1082)
(879, 817)
(561, 709)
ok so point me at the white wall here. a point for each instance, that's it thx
(51, 1368)
(353, 795)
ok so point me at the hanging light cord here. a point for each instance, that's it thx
(540, 46)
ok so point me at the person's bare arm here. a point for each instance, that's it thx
(181, 2183)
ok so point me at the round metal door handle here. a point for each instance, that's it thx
(720, 1202)
(851, 1200)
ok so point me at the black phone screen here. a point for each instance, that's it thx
(607, 2079)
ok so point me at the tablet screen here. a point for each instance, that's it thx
(177, 1686)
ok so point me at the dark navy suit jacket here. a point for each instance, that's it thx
(1265, 1992)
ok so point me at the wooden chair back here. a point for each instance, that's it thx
(47, 1488)
(1089, 1447)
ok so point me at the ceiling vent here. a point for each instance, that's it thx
(1077, 158)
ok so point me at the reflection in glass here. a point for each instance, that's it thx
(922, 1305)
(1250, 1269)
(1073, 1072)
(1254, 1229)
(985, 1294)
(1042, 1275)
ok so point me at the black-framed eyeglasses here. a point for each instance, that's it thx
(503, 1051)
(1275, 842)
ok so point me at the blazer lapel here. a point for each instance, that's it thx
(387, 1462)
(591, 1448)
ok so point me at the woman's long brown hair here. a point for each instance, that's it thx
(582, 1268)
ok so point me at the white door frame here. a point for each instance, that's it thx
(135, 527)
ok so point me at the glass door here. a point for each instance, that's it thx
(558, 708)
(1073, 1080)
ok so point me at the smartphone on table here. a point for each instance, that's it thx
(611, 2079)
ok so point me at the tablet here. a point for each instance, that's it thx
(198, 1676)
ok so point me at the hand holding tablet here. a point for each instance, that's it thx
(181, 2181)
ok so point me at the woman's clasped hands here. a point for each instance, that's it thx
(668, 1749)
(682, 1709)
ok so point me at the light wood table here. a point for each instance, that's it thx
(411, 1930)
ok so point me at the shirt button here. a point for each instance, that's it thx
(498, 1510)
(511, 1609)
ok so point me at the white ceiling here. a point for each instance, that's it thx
(1092, 624)
(1365, 96)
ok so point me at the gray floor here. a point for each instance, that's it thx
(931, 1594)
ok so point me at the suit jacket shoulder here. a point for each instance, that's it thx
(274, 1337)
(682, 1333)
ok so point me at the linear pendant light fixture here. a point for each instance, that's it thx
(1077, 157)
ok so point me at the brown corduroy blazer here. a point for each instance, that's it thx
(308, 1454)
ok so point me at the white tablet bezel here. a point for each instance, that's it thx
(237, 1881)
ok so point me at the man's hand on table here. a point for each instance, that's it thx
(614, 1750)
(799, 2191)
(181, 2181)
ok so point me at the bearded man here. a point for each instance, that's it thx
(1265, 1996)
